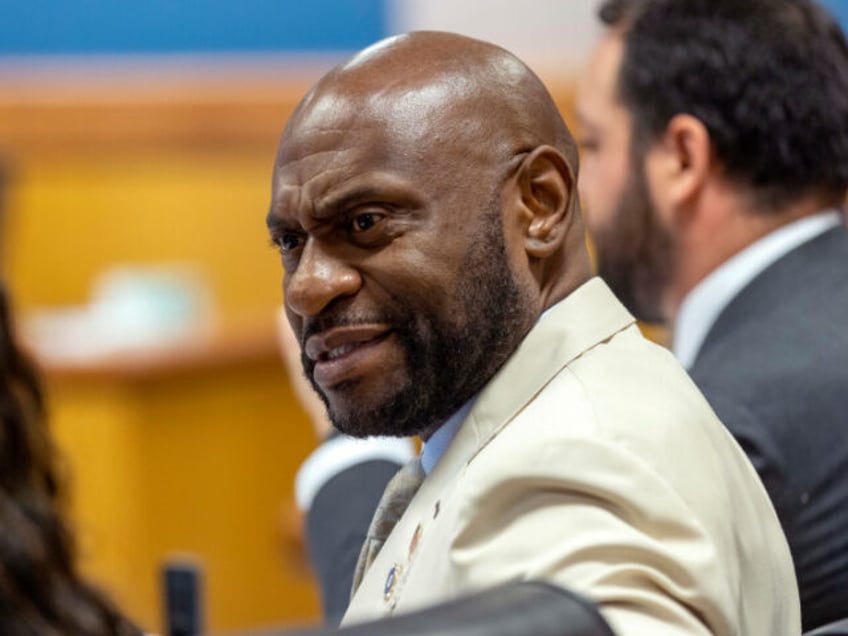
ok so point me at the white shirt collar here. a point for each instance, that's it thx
(433, 449)
(705, 302)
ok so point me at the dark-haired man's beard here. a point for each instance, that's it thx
(449, 358)
(635, 253)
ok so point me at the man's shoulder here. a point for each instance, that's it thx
(797, 303)
(786, 329)
(628, 380)
(625, 394)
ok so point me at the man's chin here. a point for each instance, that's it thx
(363, 427)
(360, 419)
(366, 418)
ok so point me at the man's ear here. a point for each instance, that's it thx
(678, 165)
(546, 185)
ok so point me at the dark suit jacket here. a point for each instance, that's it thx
(775, 368)
(336, 525)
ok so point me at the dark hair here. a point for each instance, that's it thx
(767, 78)
(40, 590)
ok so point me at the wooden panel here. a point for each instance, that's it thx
(199, 463)
(69, 219)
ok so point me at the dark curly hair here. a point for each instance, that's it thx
(41, 593)
(768, 79)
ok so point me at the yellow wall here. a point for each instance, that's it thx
(104, 175)
(73, 217)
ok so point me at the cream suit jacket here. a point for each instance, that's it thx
(591, 460)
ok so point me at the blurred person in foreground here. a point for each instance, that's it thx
(41, 593)
(436, 277)
(715, 164)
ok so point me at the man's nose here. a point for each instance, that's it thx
(319, 279)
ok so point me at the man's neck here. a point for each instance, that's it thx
(726, 225)
(705, 303)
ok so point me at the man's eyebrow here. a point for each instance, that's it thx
(336, 203)
(275, 224)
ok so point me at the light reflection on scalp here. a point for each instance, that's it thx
(372, 51)
(413, 114)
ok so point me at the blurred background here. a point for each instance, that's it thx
(136, 147)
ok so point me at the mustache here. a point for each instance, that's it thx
(319, 324)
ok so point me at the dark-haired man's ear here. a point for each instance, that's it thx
(548, 196)
(678, 166)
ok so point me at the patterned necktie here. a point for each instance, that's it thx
(394, 502)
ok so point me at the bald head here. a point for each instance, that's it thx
(425, 209)
(428, 80)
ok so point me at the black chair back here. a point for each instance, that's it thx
(516, 609)
(839, 628)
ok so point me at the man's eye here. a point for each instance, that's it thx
(289, 241)
(587, 145)
(365, 221)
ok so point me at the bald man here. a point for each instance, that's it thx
(437, 280)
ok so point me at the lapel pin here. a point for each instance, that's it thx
(416, 536)
(391, 581)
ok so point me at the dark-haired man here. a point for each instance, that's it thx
(437, 280)
(715, 164)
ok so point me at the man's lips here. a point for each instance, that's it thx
(341, 352)
(335, 342)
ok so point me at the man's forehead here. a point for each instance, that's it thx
(329, 151)
(601, 73)
(413, 130)
(337, 126)
(322, 146)
(323, 124)
(597, 87)
(408, 112)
